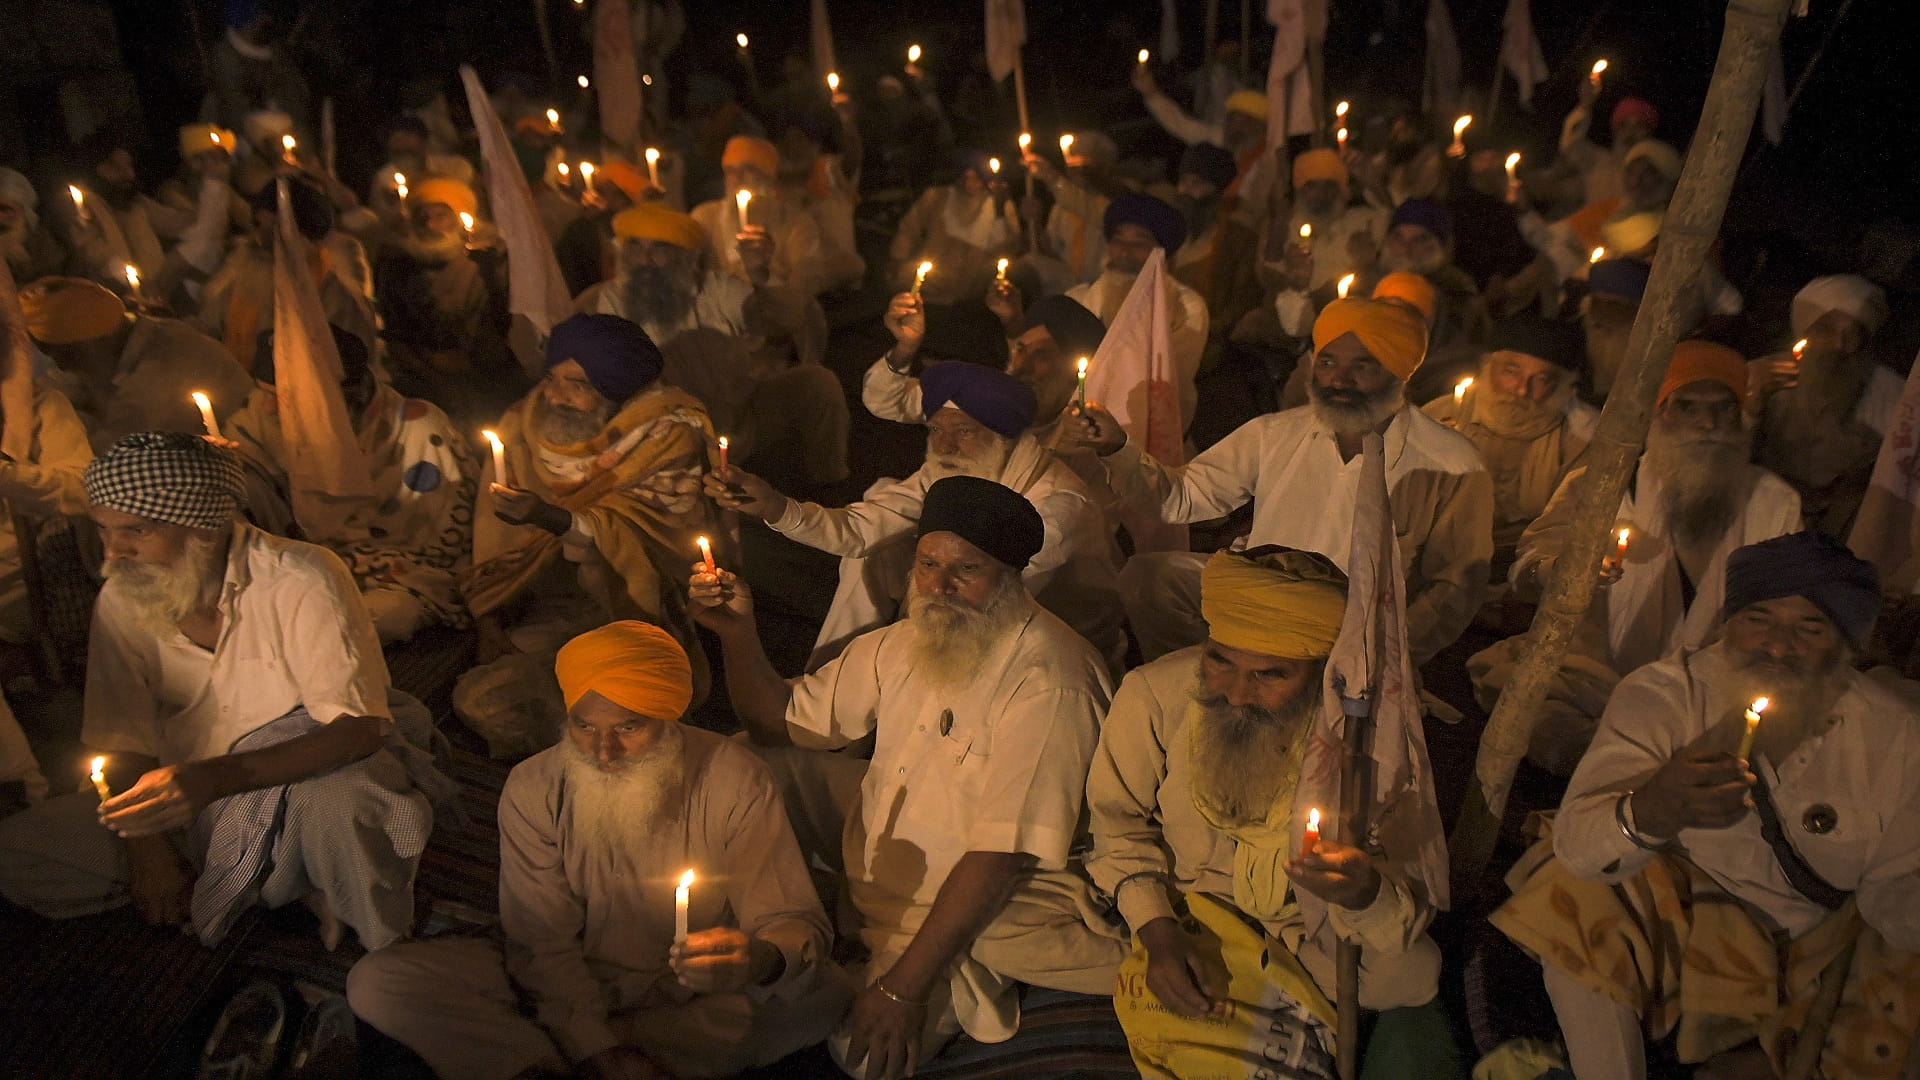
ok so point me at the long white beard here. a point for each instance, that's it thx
(1242, 753)
(951, 641)
(988, 464)
(161, 596)
(609, 809)
(1702, 486)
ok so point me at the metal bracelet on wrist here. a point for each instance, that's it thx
(1627, 830)
(891, 996)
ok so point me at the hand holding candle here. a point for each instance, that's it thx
(1599, 68)
(1620, 546)
(680, 897)
(1753, 725)
(706, 553)
(205, 405)
(499, 456)
(1080, 389)
(1310, 839)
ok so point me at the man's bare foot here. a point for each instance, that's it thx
(331, 929)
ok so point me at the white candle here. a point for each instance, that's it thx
(833, 82)
(287, 146)
(1340, 112)
(1460, 389)
(993, 165)
(1000, 270)
(680, 897)
(1340, 138)
(741, 199)
(133, 277)
(1143, 57)
(1799, 349)
(1753, 725)
(1066, 144)
(206, 413)
(466, 222)
(1306, 237)
(553, 119)
(79, 201)
(1026, 140)
(1459, 129)
(1596, 255)
(653, 165)
(723, 454)
(1080, 390)
(98, 775)
(586, 175)
(1513, 166)
(1346, 282)
(706, 556)
(566, 172)
(499, 457)
(584, 82)
(920, 276)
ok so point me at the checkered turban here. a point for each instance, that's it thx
(168, 476)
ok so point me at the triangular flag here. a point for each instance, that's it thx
(16, 372)
(327, 478)
(1520, 50)
(821, 32)
(1132, 374)
(1006, 34)
(535, 289)
(1440, 85)
(616, 75)
(1370, 681)
(1884, 529)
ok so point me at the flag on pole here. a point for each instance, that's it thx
(1370, 681)
(1440, 85)
(1290, 109)
(327, 477)
(616, 75)
(1006, 36)
(822, 34)
(1132, 374)
(1520, 50)
(1773, 99)
(535, 289)
(1884, 531)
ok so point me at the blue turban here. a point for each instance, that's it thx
(1427, 214)
(1169, 229)
(1811, 565)
(619, 358)
(990, 516)
(1625, 278)
(1076, 330)
(1001, 403)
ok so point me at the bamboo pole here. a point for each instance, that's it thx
(1357, 794)
(1693, 220)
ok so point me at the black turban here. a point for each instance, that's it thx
(1811, 565)
(1076, 330)
(1213, 164)
(619, 358)
(1169, 229)
(351, 347)
(312, 212)
(991, 517)
(1556, 342)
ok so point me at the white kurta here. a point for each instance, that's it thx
(1866, 767)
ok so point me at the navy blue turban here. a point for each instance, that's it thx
(1076, 330)
(619, 358)
(1213, 164)
(998, 401)
(1427, 214)
(1625, 278)
(1808, 564)
(1169, 229)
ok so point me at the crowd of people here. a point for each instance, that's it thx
(1058, 719)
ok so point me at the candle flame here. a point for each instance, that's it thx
(686, 879)
(1598, 254)
(1341, 135)
(1759, 706)
(653, 155)
(1306, 231)
(79, 199)
(1513, 160)
(993, 165)
(287, 143)
(200, 399)
(913, 54)
(1026, 140)
(1143, 56)
(553, 117)
(740, 199)
(1001, 268)
(1460, 125)
(1598, 67)
(399, 180)
(1460, 388)
(1066, 144)
(1340, 110)
(99, 769)
(466, 221)
(703, 544)
(1346, 282)
(493, 439)
(1313, 818)
(646, 80)
(1799, 348)
(214, 136)
(586, 170)
(1624, 534)
(740, 40)
(1082, 365)
(833, 81)
(133, 276)
(565, 170)
(925, 269)
(584, 82)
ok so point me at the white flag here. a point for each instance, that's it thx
(1370, 675)
(821, 32)
(1006, 35)
(616, 74)
(1132, 375)
(1290, 108)
(1884, 531)
(1440, 86)
(1520, 50)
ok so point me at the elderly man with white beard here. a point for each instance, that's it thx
(595, 833)
(1693, 500)
(1300, 469)
(1703, 871)
(978, 422)
(238, 694)
(1191, 797)
(984, 710)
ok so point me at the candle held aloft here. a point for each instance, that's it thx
(1340, 139)
(833, 82)
(1026, 140)
(206, 413)
(565, 170)
(1346, 283)
(98, 774)
(1306, 237)
(920, 276)
(1460, 389)
(1000, 270)
(1599, 68)
(584, 82)
(79, 201)
(993, 165)
(499, 457)
(1800, 349)
(133, 277)
(742, 199)
(1066, 144)
(680, 897)
(586, 175)
(1143, 57)
(1459, 128)
(466, 222)
(1080, 389)
(1620, 545)
(913, 54)
(706, 552)
(1310, 839)
(1753, 725)
(653, 165)
(1596, 255)
(1513, 166)
(287, 146)
(740, 40)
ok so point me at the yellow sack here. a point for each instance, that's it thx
(1278, 1026)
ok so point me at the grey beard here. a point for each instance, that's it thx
(986, 465)
(1505, 414)
(164, 595)
(951, 640)
(656, 297)
(609, 809)
(1240, 752)
(560, 425)
(1702, 484)
(1349, 412)
(1800, 693)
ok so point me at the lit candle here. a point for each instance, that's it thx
(1306, 237)
(706, 552)
(920, 276)
(1346, 282)
(499, 456)
(584, 82)
(741, 40)
(653, 165)
(1597, 254)
(833, 82)
(586, 174)
(913, 54)
(214, 136)
(1459, 128)
(686, 879)
(1799, 349)
(1340, 112)
(1753, 724)
(1340, 139)
(1026, 140)
(1460, 389)
(740, 199)
(1513, 169)
(466, 225)
(1000, 270)
(1310, 839)
(1080, 391)
(566, 172)
(723, 455)
(98, 775)
(206, 413)
(1620, 546)
(133, 277)
(553, 119)
(1599, 67)
(400, 186)
(993, 165)
(287, 146)
(80, 199)
(1066, 144)
(1143, 57)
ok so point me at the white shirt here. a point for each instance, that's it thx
(1866, 767)
(293, 632)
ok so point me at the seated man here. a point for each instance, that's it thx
(984, 710)
(961, 227)
(1420, 241)
(1135, 225)
(436, 308)
(407, 545)
(594, 835)
(124, 372)
(1523, 415)
(1297, 467)
(977, 425)
(235, 685)
(752, 165)
(1690, 886)
(723, 342)
(1693, 500)
(1194, 784)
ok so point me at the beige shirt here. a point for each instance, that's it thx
(588, 928)
(797, 252)
(996, 765)
(1149, 840)
(1526, 472)
(293, 632)
(1865, 766)
(47, 484)
(1303, 497)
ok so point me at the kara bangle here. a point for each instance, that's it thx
(1626, 828)
(891, 996)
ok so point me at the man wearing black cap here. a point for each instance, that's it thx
(1704, 867)
(985, 711)
(1135, 225)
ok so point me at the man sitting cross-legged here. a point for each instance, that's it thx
(984, 711)
(237, 688)
(594, 835)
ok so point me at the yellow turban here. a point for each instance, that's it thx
(1249, 103)
(200, 138)
(633, 664)
(1632, 232)
(65, 310)
(1319, 165)
(1395, 334)
(658, 221)
(457, 196)
(747, 150)
(1409, 288)
(1287, 603)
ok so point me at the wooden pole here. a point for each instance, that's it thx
(1826, 1003)
(1356, 790)
(1693, 220)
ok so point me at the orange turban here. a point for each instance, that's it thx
(200, 138)
(1408, 288)
(747, 150)
(457, 196)
(628, 179)
(1318, 165)
(1394, 334)
(1698, 360)
(65, 310)
(658, 221)
(633, 664)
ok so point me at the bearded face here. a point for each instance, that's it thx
(1702, 484)
(565, 425)
(162, 595)
(952, 637)
(1243, 753)
(1790, 652)
(611, 804)
(1350, 410)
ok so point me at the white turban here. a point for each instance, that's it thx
(15, 189)
(1849, 294)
